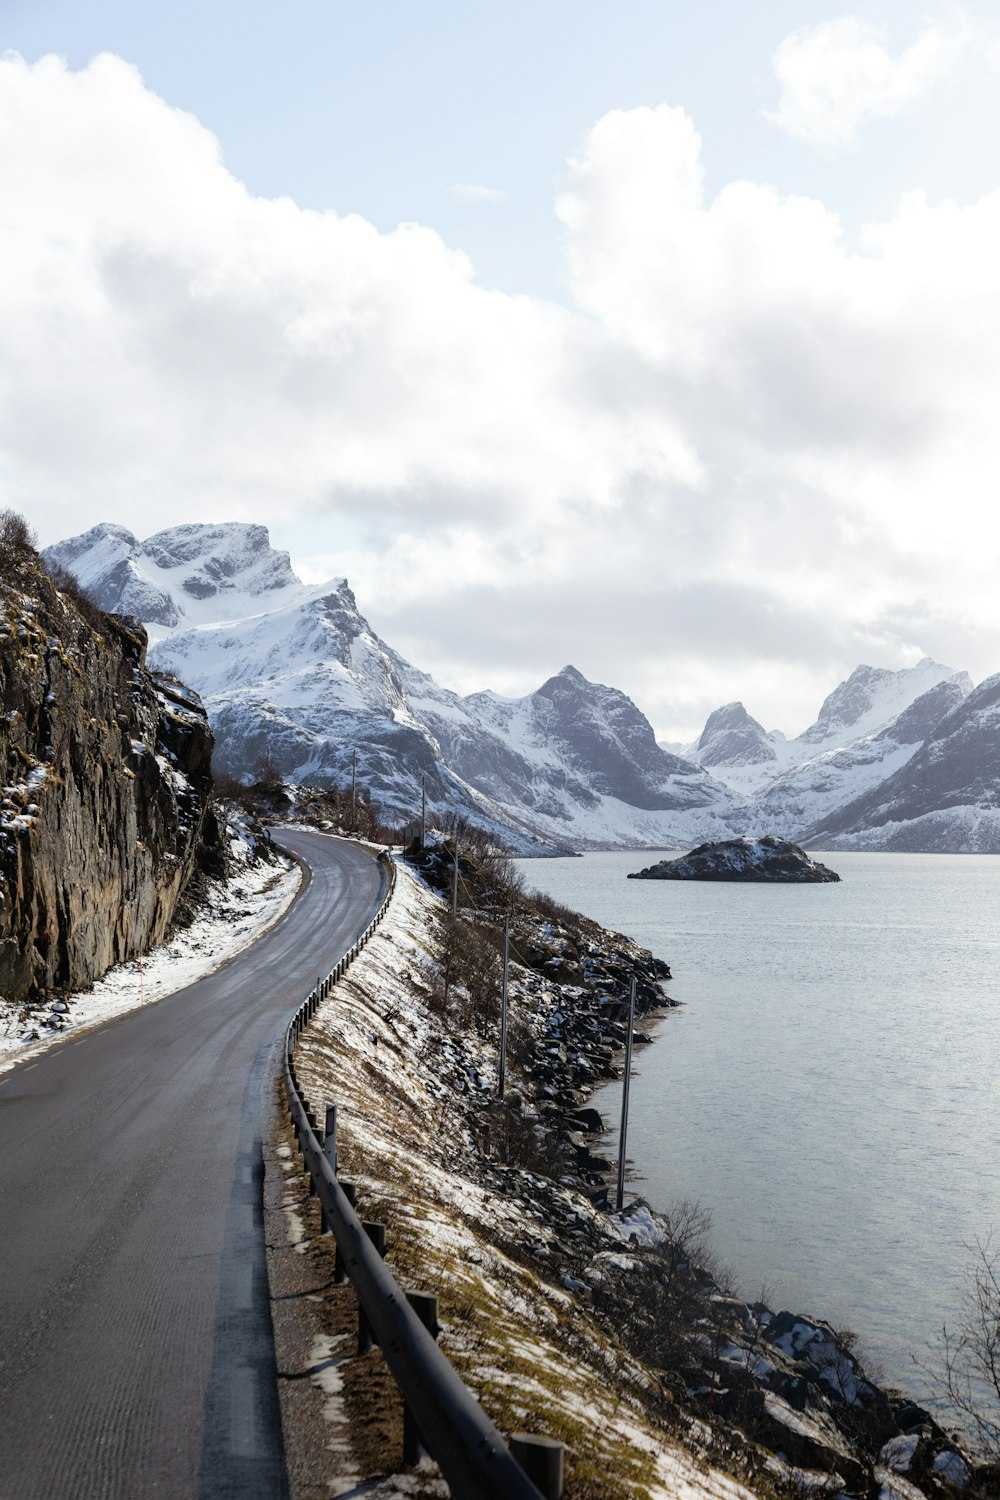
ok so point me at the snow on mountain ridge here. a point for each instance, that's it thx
(944, 797)
(185, 576)
(732, 737)
(871, 698)
(297, 672)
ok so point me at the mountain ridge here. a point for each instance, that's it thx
(295, 672)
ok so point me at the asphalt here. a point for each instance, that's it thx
(136, 1351)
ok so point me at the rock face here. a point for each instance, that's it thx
(767, 858)
(106, 810)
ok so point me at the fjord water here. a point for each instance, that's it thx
(829, 1087)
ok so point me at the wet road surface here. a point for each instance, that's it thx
(136, 1356)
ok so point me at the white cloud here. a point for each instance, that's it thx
(474, 192)
(836, 76)
(751, 455)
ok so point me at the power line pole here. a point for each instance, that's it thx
(623, 1132)
(454, 880)
(354, 790)
(423, 810)
(502, 1078)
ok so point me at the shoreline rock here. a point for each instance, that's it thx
(744, 859)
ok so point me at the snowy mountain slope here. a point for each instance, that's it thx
(866, 730)
(573, 753)
(808, 793)
(311, 685)
(732, 738)
(186, 576)
(298, 673)
(945, 798)
(870, 699)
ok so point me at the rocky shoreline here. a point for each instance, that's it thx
(792, 1382)
(625, 1312)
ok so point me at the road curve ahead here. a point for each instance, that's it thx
(136, 1357)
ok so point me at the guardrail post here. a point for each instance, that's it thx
(330, 1137)
(425, 1305)
(376, 1233)
(330, 1152)
(541, 1459)
(339, 1269)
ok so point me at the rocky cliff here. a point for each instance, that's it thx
(106, 810)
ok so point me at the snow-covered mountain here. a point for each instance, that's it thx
(189, 575)
(947, 795)
(299, 674)
(574, 755)
(870, 726)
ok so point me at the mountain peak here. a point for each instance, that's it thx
(731, 737)
(872, 697)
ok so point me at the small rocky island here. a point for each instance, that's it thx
(767, 858)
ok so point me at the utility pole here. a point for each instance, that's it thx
(623, 1132)
(454, 880)
(354, 790)
(503, 1007)
(423, 810)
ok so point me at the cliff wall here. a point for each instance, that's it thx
(105, 809)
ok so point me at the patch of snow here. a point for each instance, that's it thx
(236, 914)
(898, 1452)
(952, 1467)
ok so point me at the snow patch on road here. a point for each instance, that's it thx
(238, 912)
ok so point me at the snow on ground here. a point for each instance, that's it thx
(237, 913)
(531, 1353)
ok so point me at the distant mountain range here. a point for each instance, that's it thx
(902, 760)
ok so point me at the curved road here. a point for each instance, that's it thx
(136, 1356)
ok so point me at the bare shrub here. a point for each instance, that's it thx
(63, 580)
(266, 771)
(17, 539)
(505, 1133)
(17, 542)
(666, 1325)
(477, 976)
(548, 906)
(968, 1373)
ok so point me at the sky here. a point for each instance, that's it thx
(657, 339)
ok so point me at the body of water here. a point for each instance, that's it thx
(828, 1089)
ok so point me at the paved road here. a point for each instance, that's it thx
(136, 1356)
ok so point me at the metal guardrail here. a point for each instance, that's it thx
(450, 1424)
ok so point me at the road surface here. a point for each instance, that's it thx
(136, 1357)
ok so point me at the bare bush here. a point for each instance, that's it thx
(477, 970)
(505, 1133)
(667, 1324)
(17, 542)
(968, 1376)
(266, 771)
(63, 580)
(548, 906)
